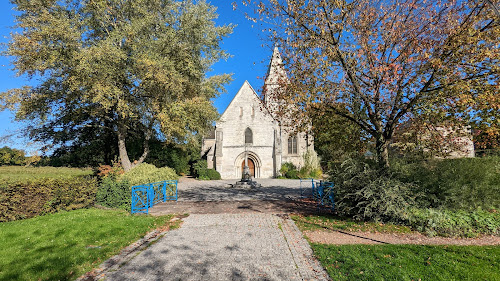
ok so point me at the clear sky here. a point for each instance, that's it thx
(250, 57)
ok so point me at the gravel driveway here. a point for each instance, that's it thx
(226, 247)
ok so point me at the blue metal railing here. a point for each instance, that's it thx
(323, 193)
(304, 185)
(146, 195)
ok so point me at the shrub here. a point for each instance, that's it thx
(312, 165)
(114, 194)
(203, 173)
(209, 174)
(199, 166)
(454, 223)
(147, 173)
(289, 170)
(365, 193)
(29, 198)
(109, 170)
(460, 184)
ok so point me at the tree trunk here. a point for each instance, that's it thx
(145, 152)
(122, 149)
(382, 153)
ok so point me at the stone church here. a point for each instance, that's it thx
(246, 130)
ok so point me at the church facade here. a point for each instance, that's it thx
(246, 130)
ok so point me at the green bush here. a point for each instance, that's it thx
(203, 173)
(146, 173)
(209, 174)
(114, 194)
(454, 223)
(459, 184)
(364, 193)
(199, 166)
(289, 170)
(29, 198)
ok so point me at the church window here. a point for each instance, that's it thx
(241, 111)
(248, 136)
(253, 111)
(292, 144)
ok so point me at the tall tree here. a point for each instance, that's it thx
(387, 61)
(129, 67)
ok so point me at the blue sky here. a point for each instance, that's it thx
(250, 57)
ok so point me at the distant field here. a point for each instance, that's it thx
(26, 173)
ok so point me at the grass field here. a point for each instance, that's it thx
(65, 245)
(409, 262)
(26, 173)
(334, 223)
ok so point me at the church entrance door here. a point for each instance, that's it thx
(251, 166)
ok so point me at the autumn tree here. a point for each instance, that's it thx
(380, 63)
(116, 69)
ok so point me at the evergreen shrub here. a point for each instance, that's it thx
(365, 193)
(458, 184)
(114, 194)
(29, 198)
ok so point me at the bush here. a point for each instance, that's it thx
(29, 198)
(454, 223)
(114, 194)
(198, 166)
(203, 173)
(364, 193)
(209, 174)
(147, 173)
(458, 184)
(289, 170)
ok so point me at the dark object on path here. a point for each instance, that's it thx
(246, 179)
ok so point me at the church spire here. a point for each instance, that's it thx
(275, 77)
(276, 70)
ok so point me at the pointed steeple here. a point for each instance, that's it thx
(276, 71)
(276, 76)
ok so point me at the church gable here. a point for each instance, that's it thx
(245, 105)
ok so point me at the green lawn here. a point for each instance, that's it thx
(26, 173)
(409, 262)
(65, 245)
(335, 223)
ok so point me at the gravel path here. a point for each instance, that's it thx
(343, 237)
(249, 246)
(221, 190)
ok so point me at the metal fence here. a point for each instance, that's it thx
(323, 193)
(146, 195)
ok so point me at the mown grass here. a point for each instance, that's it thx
(14, 173)
(409, 262)
(65, 245)
(323, 222)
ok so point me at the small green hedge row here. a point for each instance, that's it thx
(114, 194)
(454, 223)
(26, 199)
(148, 173)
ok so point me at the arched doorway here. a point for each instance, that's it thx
(251, 167)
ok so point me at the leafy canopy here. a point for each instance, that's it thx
(130, 67)
(380, 63)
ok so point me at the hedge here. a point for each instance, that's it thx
(26, 199)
